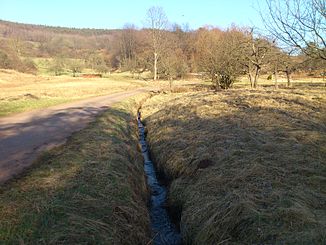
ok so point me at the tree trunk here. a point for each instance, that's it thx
(256, 76)
(275, 78)
(250, 79)
(250, 76)
(288, 77)
(170, 83)
(155, 66)
(215, 82)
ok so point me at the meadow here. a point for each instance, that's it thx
(21, 92)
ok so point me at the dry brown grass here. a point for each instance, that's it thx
(21, 92)
(247, 166)
(297, 80)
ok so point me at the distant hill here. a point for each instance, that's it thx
(20, 44)
(14, 29)
(49, 41)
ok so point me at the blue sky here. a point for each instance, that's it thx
(114, 14)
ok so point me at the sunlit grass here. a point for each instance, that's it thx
(22, 92)
(9, 107)
(281, 81)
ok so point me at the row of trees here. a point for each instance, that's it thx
(296, 42)
(169, 51)
(96, 62)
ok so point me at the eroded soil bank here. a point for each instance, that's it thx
(247, 166)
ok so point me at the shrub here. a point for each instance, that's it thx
(226, 81)
(10, 60)
(4, 60)
(28, 66)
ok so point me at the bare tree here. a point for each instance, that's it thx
(280, 61)
(17, 45)
(157, 23)
(57, 65)
(299, 24)
(288, 65)
(127, 45)
(253, 52)
(75, 66)
(260, 49)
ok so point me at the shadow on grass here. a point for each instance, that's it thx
(265, 174)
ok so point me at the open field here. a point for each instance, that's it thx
(22, 92)
(196, 84)
(91, 190)
(245, 166)
(298, 81)
(43, 65)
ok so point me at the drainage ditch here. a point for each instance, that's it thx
(164, 231)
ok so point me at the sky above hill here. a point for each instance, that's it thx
(114, 14)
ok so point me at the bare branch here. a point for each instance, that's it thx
(299, 24)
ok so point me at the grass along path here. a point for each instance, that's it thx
(91, 190)
(21, 92)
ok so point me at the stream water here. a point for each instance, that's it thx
(164, 232)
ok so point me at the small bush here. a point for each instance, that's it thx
(10, 60)
(4, 60)
(28, 66)
(225, 81)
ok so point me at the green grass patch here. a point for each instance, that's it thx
(91, 190)
(15, 106)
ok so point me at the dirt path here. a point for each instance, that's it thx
(25, 135)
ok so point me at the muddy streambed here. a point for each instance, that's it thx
(164, 232)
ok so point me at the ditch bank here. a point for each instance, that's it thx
(246, 167)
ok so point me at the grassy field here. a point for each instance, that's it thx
(43, 65)
(296, 81)
(91, 190)
(246, 166)
(22, 92)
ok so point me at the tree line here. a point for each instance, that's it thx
(295, 41)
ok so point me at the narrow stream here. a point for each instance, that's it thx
(164, 231)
